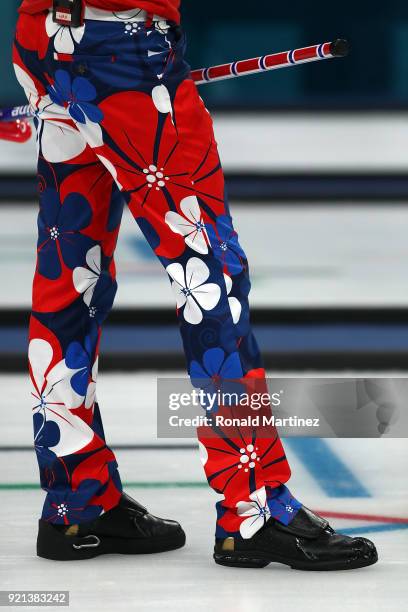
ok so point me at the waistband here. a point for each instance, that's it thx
(129, 16)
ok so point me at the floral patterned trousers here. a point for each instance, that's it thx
(118, 121)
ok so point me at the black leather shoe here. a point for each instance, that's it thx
(127, 529)
(307, 543)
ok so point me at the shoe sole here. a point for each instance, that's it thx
(259, 560)
(66, 550)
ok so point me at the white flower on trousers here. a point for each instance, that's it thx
(191, 290)
(256, 512)
(161, 99)
(162, 26)
(203, 453)
(27, 84)
(85, 279)
(59, 141)
(90, 398)
(65, 37)
(234, 303)
(111, 169)
(190, 225)
(55, 397)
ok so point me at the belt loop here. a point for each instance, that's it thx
(149, 20)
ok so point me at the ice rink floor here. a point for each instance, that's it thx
(360, 484)
(327, 255)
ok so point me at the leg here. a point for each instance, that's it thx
(74, 287)
(248, 470)
(73, 291)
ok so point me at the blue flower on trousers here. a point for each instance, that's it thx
(66, 506)
(79, 357)
(46, 434)
(218, 372)
(282, 504)
(224, 242)
(59, 234)
(76, 96)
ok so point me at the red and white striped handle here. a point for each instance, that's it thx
(285, 59)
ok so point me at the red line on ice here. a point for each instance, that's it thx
(362, 517)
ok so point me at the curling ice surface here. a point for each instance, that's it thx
(188, 578)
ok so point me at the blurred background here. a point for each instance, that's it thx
(316, 162)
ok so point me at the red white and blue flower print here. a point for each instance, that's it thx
(190, 224)
(76, 96)
(64, 38)
(119, 120)
(255, 513)
(224, 241)
(60, 241)
(193, 294)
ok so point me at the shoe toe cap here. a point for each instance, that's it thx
(365, 548)
(163, 527)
